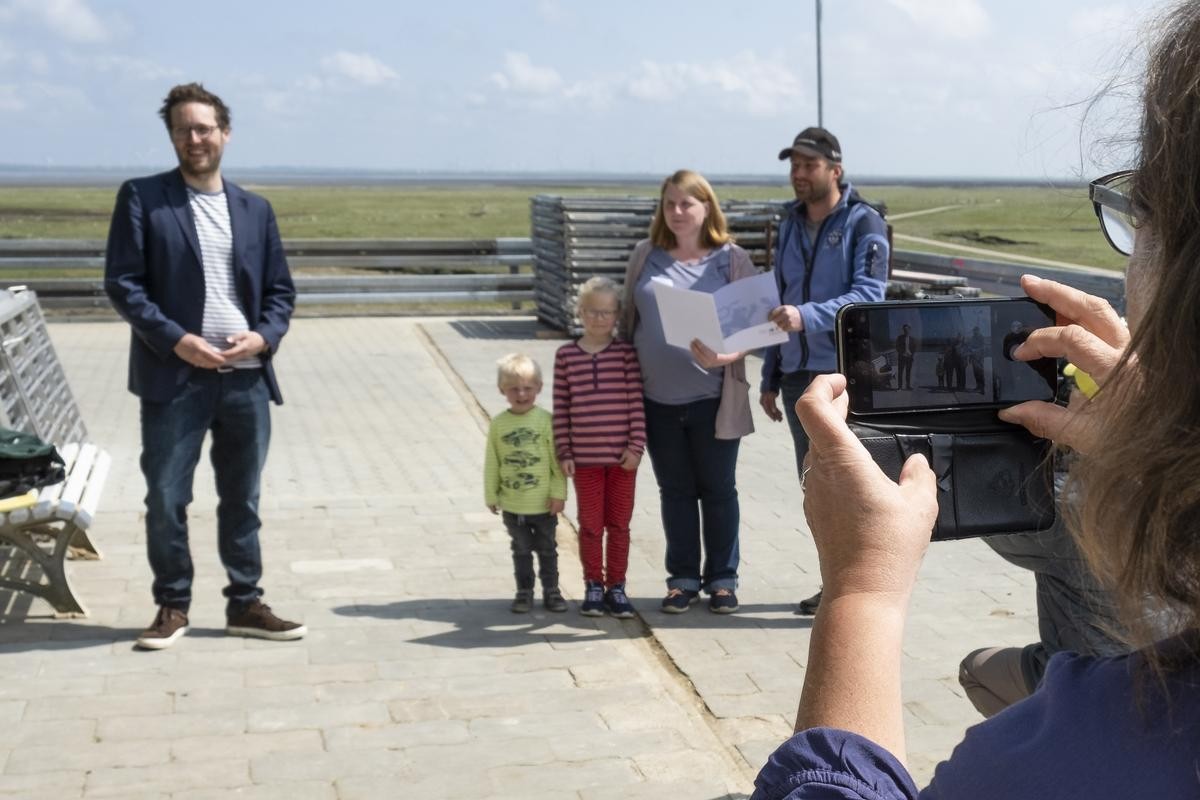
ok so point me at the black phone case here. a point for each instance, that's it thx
(992, 477)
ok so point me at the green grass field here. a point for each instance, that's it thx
(1050, 223)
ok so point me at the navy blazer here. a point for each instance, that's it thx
(154, 276)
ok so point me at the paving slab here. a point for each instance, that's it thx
(415, 678)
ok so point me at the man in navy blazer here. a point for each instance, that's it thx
(196, 266)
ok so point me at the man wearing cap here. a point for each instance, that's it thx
(832, 250)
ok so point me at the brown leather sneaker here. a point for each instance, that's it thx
(169, 624)
(257, 620)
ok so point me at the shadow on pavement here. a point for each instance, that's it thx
(503, 329)
(489, 623)
(47, 633)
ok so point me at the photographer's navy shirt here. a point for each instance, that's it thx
(1082, 734)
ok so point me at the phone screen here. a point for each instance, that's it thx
(916, 356)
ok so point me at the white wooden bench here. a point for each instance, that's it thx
(55, 528)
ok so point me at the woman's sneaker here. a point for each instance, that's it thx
(617, 603)
(723, 601)
(678, 601)
(593, 600)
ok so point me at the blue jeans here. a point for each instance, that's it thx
(696, 481)
(791, 386)
(234, 406)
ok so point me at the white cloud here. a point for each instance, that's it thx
(748, 82)
(137, 68)
(72, 20)
(521, 75)
(951, 19)
(759, 86)
(359, 67)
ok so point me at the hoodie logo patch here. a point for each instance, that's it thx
(834, 238)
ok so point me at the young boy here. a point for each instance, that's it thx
(522, 479)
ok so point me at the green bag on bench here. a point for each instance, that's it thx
(26, 462)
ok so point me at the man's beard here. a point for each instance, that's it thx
(815, 194)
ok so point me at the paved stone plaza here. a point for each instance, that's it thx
(415, 680)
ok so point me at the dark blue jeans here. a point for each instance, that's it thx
(791, 386)
(234, 406)
(696, 483)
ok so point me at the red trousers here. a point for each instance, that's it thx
(605, 501)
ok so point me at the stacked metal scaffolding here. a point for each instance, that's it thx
(575, 238)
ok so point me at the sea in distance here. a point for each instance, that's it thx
(19, 175)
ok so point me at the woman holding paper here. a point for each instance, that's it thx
(697, 400)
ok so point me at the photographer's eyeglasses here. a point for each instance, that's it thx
(202, 132)
(1114, 209)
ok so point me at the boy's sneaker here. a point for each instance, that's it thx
(169, 624)
(723, 601)
(258, 621)
(523, 602)
(593, 600)
(553, 600)
(617, 603)
(678, 601)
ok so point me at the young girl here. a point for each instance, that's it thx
(600, 433)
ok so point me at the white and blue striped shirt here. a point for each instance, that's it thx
(223, 316)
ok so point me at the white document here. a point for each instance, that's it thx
(730, 320)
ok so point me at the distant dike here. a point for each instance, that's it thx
(20, 175)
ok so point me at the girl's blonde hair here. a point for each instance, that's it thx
(594, 286)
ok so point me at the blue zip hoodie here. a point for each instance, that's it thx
(847, 265)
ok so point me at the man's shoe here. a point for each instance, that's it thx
(809, 607)
(723, 601)
(617, 603)
(553, 600)
(169, 624)
(522, 602)
(258, 621)
(593, 600)
(678, 601)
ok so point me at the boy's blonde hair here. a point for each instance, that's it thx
(517, 367)
(594, 286)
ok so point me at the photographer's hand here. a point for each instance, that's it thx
(1092, 337)
(871, 535)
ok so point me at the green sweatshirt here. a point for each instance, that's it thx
(520, 470)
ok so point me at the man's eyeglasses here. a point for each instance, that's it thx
(1114, 208)
(201, 131)
(599, 313)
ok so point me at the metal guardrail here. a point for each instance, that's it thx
(476, 270)
(459, 270)
(1003, 277)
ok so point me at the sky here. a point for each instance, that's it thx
(916, 88)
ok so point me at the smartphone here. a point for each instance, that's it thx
(935, 355)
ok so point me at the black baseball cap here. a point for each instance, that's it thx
(814, 142)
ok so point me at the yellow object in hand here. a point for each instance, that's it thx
(1086, 384)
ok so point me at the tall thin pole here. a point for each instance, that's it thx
(820, 99)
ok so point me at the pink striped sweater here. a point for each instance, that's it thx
(598, 409)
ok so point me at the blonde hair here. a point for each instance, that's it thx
(713, 233)
(594, 286)
(516, 367)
